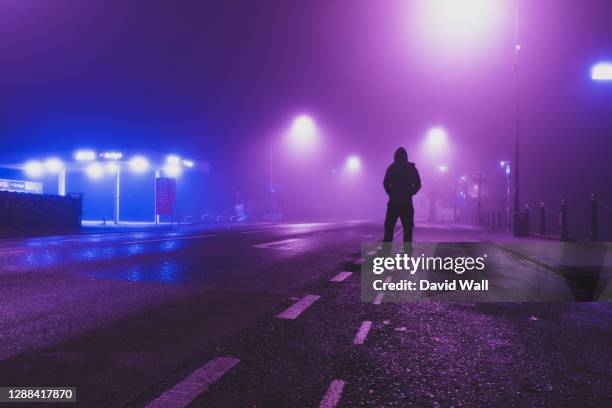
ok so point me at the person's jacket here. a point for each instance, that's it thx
(402, 181)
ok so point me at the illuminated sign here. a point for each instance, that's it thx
(21, 186)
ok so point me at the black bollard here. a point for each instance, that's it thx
(594, 235)
(563, 220)
(542, 219)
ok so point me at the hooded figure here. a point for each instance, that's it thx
(402, 181)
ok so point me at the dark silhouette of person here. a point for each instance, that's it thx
(402, 181)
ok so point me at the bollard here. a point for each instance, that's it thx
(594, 235)
(563, 220)
(542, 219)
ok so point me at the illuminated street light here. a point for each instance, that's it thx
(436, 145)
(602, 71)
(173, 159)
(139, 164)
(34, 168)
(95, 170)
(303, 131)
(85, 155)
(353, 164)
(53, 165)
(172, 170)
(442, 168)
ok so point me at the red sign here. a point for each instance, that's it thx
(165, 195)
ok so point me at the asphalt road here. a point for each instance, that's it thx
(258, 316)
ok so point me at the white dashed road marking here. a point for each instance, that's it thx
(341, 276)
(167, 239)
(333, 394)
(379, 296)
(276, 243)
(298, 307)
(187, 390)
(363, 331)
(371, 253)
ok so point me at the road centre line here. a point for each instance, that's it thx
(379, 296)
(333, 394)
(276, 243)
(167, 239)
(187, 390)
(363, 331)
(341, 276)
(298, 307)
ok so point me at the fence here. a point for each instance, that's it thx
(39, 212)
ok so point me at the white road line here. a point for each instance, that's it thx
(333, 394)
(253, 232)
(187, 390)
(379, 296)
(298, 307)
(371, 253)
(12, 252)
(363, 331)
(166, 239)
(341, 276)
(276, 243)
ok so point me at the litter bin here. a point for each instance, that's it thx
(521, 224)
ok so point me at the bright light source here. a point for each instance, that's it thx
(111, 155)
(172, 170)
(139, 164)
(95, 170)
(112, 167)
(602, 71)
(436, 145)
(34, 168)
(463, 178)
(54, 165)
(303, 131)
(503, 163)
(85, 155)
(173, 159)
(456, 29)
(442, 168)
(353, 164)
(187, 163)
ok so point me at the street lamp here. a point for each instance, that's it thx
(353, 164)
(34, 168)
(602, 71)
(505, 165)
(95, 170)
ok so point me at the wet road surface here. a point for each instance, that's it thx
(263, 316)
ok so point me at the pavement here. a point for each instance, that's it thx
(271, 315)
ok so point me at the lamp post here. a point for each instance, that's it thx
(517, 48)
(505, 165)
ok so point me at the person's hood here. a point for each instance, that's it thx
(400, 156)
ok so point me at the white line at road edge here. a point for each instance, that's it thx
(363, 331)
(341, 276)
(333, 394)
(276, 243)
(298, 307)
(379, 296)
(187, 390)
(167, 239)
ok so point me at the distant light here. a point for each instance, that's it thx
(517, 47)
(442, 168)
(353, 164)
(463, 178)
(503, 163)
(112, 167)
(187, 163)
(507, 170)
(95, 170)
(111, 155)
(85, 155)
(173, 159)
(34, 168)
(172, 170)
(303, 129)
(54, 165)
(139, 164)
(436, 146)
(602, 71)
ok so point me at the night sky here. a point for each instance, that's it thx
(220, 81)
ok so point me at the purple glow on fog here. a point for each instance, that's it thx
(353, 164)
(303, 130)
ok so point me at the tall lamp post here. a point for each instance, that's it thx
(517, 48)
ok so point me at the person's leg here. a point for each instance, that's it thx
(390, 221)
(407, 218)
